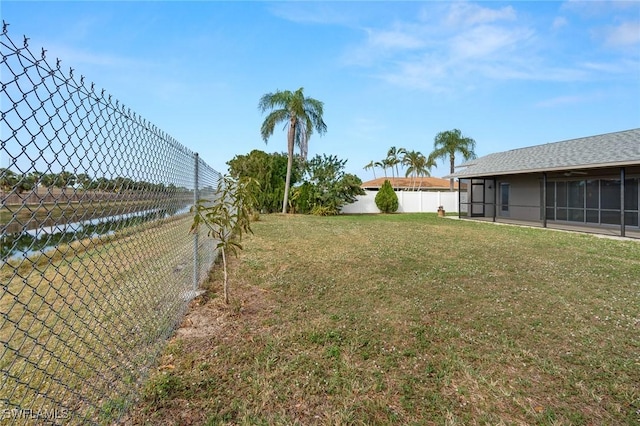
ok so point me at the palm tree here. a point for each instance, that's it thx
(447, 143)
(301, 140)
(64, 179)
(371, 166)
(386, 163)
(417, 165)
(382, 165)
(302, 115)
(393, 159)
(84, 180)
(35, 176)
(48, 179)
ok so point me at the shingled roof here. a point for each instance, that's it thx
(609, 150)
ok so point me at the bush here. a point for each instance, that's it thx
(301, 198)
(323, 211)
(227, 217)
(386, 199)
(326, 187)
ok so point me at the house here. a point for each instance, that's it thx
(589, 184)
(410, 184)
(415, 195)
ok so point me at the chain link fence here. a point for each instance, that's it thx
(98, 263)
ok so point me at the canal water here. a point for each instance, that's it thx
(16, 245)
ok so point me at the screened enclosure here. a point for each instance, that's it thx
(603, 198)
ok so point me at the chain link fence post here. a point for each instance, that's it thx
(196, 266)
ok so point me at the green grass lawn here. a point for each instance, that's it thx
(408, 319)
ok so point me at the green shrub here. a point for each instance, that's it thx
(301, 198)
(325, 188)
(323, 211)
(386, 199)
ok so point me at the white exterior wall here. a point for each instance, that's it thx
(408, 202)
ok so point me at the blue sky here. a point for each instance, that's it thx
(507, 74)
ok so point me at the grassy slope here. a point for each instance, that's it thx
(84, 321)
(409, 319)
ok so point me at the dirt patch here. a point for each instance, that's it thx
(203, 320)
(211, 317)
(208, 324)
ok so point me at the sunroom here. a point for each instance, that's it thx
(590, 184)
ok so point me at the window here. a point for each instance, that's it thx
(610, 201)
(464, 186)
(631, 202)
(593, 201)
(504, 199)
(631, 194)
(610, 194)
(575, 200)
(593, 191)
(477, 197)
(561, 194)
(561, 200)
(551, 201)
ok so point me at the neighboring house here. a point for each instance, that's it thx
(410, 184)
(415, 195)
(591, 183)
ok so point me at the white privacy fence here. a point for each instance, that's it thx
(408, 202)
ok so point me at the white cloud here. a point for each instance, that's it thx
(457, 47)
(559, 22)
(595, 14)
(560, 101)
(382, 44)
(625, 34)
(79, 57)
(590, 9)
(536, 71)
(365, 129)
(426, 74)
(466, 14)
(620, 67)
(484, 41)
(449, 46)
(312, 13)
(394, 39)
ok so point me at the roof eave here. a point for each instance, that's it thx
(543, 169)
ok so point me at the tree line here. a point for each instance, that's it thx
(19, 183)
(318, 185)
(302, 116)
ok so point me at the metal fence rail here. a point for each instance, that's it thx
(97, 262)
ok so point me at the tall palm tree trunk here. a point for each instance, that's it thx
(290, 142)
(453, 169)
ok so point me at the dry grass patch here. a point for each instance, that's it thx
(409, 319)
(81, 323)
